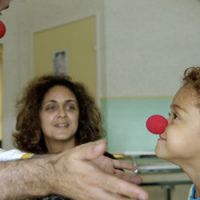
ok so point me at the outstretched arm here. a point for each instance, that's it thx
(81, 173)
(24, 178)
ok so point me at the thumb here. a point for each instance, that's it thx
(91, 150)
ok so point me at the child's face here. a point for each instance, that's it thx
(180, 143)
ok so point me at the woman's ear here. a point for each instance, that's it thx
(37, 137)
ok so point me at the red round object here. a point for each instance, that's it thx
(2, 29)
(156, 124)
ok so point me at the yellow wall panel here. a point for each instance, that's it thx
(78, 39)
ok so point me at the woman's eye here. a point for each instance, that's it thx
(50, 107)
(71, 107)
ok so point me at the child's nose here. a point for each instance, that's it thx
(156, 124)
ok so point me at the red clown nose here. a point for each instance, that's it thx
(156, 124)
(2, 29)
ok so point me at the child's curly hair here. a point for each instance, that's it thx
(192, 76)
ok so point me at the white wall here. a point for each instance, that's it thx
(148, 45)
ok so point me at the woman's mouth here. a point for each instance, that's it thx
(62, 125)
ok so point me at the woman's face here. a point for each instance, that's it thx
(180, 143)
(59, 116)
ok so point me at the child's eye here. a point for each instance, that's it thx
(173, 115)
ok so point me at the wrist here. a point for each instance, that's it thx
(46, 174)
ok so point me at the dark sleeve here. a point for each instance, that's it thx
(52, 197)
(109, 155)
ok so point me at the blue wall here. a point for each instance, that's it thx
(124, 121)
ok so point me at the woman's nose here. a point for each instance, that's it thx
(62, 112)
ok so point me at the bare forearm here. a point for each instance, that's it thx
(73, 173)
(23, 179)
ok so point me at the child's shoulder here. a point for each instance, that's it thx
(192, 193)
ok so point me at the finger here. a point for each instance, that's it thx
(124, 165)
(129, 177)
(90, 150)
(123, 188)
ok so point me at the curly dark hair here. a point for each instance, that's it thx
(28, 122)
(192, 76)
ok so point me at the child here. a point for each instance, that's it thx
(180, 143)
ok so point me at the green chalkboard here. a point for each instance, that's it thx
(124, 121)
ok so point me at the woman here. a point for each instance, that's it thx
(54, 114)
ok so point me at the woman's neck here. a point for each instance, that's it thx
(60, 146)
